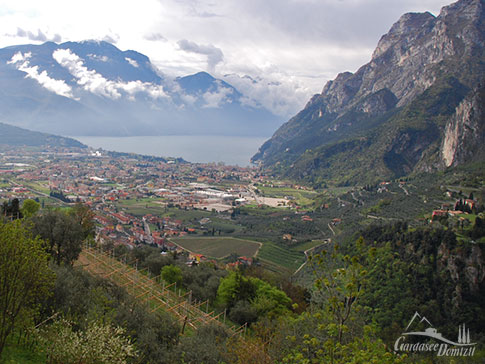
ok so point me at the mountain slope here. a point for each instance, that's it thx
(93, 88)
(408, 109)
(14, 136)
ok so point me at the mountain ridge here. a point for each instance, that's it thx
(94, 88)
(15, 136)
(432, 63)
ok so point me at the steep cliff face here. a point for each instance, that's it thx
(466, 269)
(409, 66)
(464, 135)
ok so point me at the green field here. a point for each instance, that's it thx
(141, 207)
(308, 245)
(219, 247)
(302, 197)
(280, 256)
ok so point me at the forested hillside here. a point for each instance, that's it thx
(363, 293)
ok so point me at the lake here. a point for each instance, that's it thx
(193, 148)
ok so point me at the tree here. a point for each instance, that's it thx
(85, 217)
(172, 274)
(11, 209)
(63, 233)
(30, 208)
(25, 277)
(251, 298)
(99, 343)
(340, 287)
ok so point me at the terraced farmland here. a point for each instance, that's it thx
(156, 294)
(274, 256)
(219, 247)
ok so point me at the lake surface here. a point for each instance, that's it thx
(193, 148)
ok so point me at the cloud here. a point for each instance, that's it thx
(98, 57)
(40, 36)
(95, 83)
(111, 38)
(214, 54)
(272, 90)
(307, 41)
(155, 37)
(21, 61)
(132, 62)
(216, 98)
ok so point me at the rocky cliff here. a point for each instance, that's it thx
(415, 106)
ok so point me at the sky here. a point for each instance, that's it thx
(279, 52)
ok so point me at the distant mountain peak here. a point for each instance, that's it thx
(93, 88)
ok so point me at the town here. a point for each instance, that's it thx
(131, 194)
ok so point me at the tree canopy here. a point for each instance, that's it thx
(25, 277)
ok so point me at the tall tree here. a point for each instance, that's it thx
(25, 277)
(63, 233)
(30, 208)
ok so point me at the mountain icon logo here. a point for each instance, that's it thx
(420, 326)
(430, 331)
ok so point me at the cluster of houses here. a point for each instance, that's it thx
(459, 208)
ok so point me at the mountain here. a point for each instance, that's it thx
(418, 105)
(93, 88)
(14, 136)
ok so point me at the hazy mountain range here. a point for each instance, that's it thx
(93, 88)
(418, 105)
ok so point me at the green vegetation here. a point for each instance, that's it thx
(21, 351)
(97, 343)
(171, 274)
(308, 245)
(280, 256)
(12, 135)
(64, 231)
(249, 298)
(215, 247)
(25, 278)
(301, 197)
(141, 207)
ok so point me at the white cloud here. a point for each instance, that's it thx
(300, 43)
(40, 36)
(98, 57)
(132, 62)
(266, 90)
(111, 38)
(155, 37)
(21, 61)
(214, 54)
(95, 83)
(216, 98)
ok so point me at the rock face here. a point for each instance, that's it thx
(414, 106)
(465, 131)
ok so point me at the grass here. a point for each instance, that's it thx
(15, 353)
(41, 186)
(140, 207)
(219, 247)
(302, 197)
(281, 256)
(308, 245)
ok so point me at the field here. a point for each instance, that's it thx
(219, 247)
(141, 207)
(302, 197)
(308, 245)
(273, 255)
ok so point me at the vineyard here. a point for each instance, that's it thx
(154, 292)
